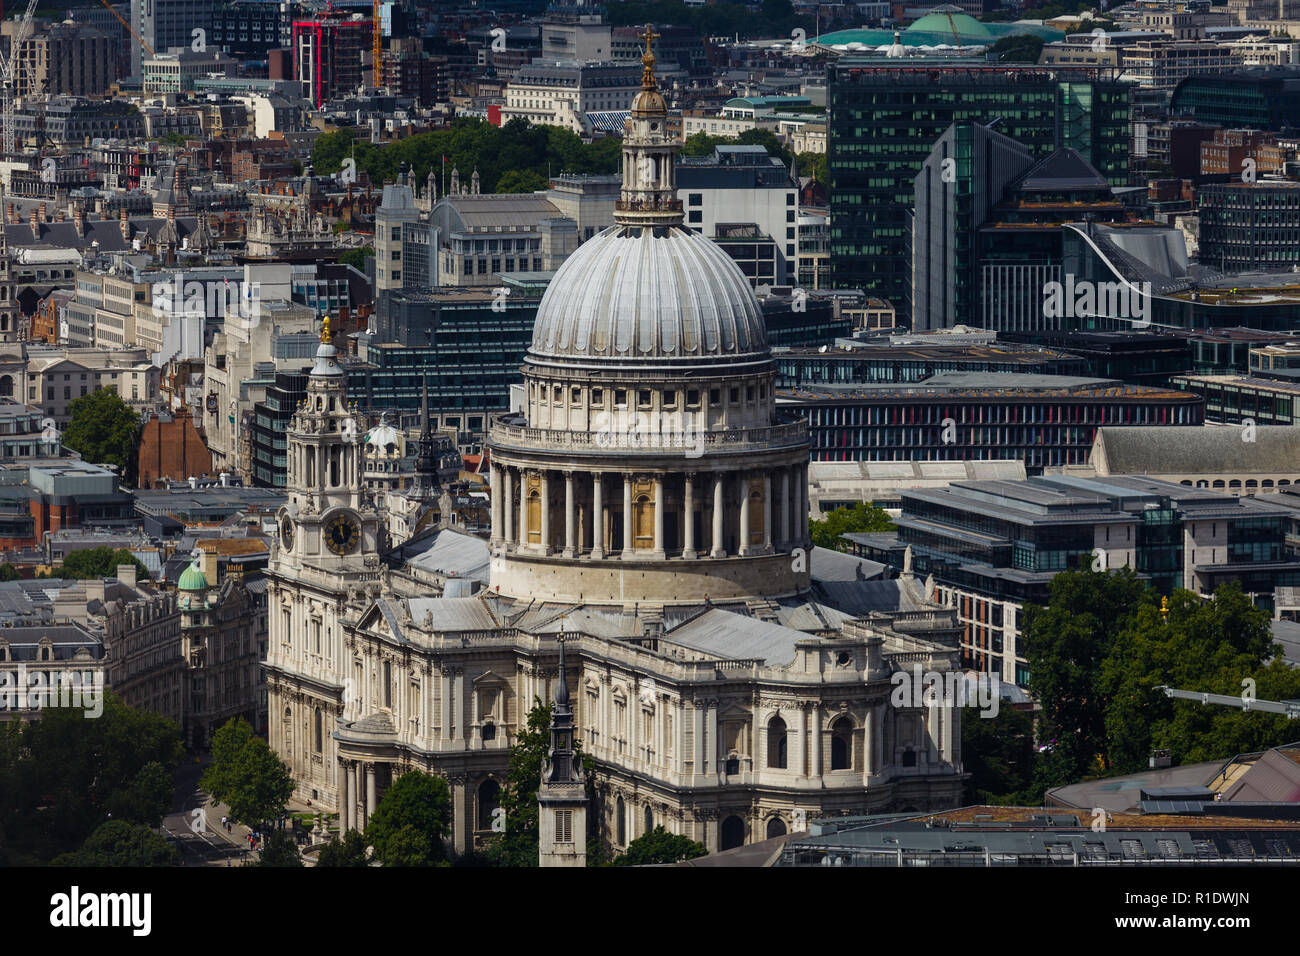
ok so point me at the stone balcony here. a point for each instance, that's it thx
(605, 442)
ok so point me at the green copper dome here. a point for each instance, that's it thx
(946, 20)
(192, 578)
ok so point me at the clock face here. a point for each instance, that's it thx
(342, 534)
(286, 534)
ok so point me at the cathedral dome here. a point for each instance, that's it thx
(648, 293)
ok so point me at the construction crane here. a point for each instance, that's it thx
(9, 75)
(376, 48)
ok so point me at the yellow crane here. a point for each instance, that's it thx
(376, 48)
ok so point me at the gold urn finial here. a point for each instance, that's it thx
(1164, 608)
(648, 60)
(325, 331)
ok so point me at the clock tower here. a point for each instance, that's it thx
(329, 520)
(326, 548)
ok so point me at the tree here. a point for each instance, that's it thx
(357, 257)
(9, 573)
(100, 563)
(1066, 642)
(660, 846)
(69, 771)
(860, 517)
(279, 850)
(104, 429)
(172, 139)
(998, 752)
(514, 181)
(814, 165)
(350, 851)
(1017, 48)
(408, 826)
(118, 843)
(246, 775)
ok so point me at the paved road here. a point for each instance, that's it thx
(194, 825)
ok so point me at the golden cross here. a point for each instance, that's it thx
(649, 36)
(325, 331)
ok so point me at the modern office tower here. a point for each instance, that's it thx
(885, 120)
(966, 172)
(1258, 98)
(163, 24)
(1249, 226)
(742, 186)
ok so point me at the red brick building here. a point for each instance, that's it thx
(171, 448)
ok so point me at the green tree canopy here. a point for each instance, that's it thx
(863, 517)
(118, 843)
(1017, 48)
(246, 775)
(350, 851)
(65, 773)
(408, 826)
(100, 563)
(660, 846)
(9, 573)
(357, 257)
(514, 181)
(998, 753)
(104, 430)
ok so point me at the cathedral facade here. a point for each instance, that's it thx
(650, 512)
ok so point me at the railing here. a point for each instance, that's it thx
(642, 205)
(790, 433)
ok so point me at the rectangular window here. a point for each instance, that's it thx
(643, 398)
(563, 826)
(620, 396)
(597, 397)
(695, 199)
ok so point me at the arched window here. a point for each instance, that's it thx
(534, 517)
(620, 815)
(842, 744)
(489, 798)
(6, 386)
(775, 827)
(643, 522)
(732, 834)
(649, 819)
(776, 744)
(316, 730)
(489, 731)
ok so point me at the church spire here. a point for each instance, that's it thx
(562, 796)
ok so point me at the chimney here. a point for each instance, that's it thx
(11, 215)
(126, 574)
(225, 479)
(79, 219)
(36, 227)
(44, 218)
(209, 566)
(126, 226)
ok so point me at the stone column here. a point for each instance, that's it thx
(688, 519)
(816, 741)
(508, 504)
(498, 526)
(798, 757)
(597, 515)
(343, 798)
(629, 544)
(869, 743)
(546, 513)
(744, 515)
(570, 518)
(523, 509)
(458, 703)
(716, 756)
(371, 798)
(767, 514)
(697, 714)
(718, 548)
(801, 528)
(659, 516)
(783, 531)
(354, 772)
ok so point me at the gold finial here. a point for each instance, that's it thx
(1164, 608)
(325, 331)
(648, 77)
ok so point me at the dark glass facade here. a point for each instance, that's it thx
(270, 421)
(884, 121)
(1249, 227)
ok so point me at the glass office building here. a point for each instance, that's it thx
(885, 120)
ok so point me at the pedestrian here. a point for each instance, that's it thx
(223, 821)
